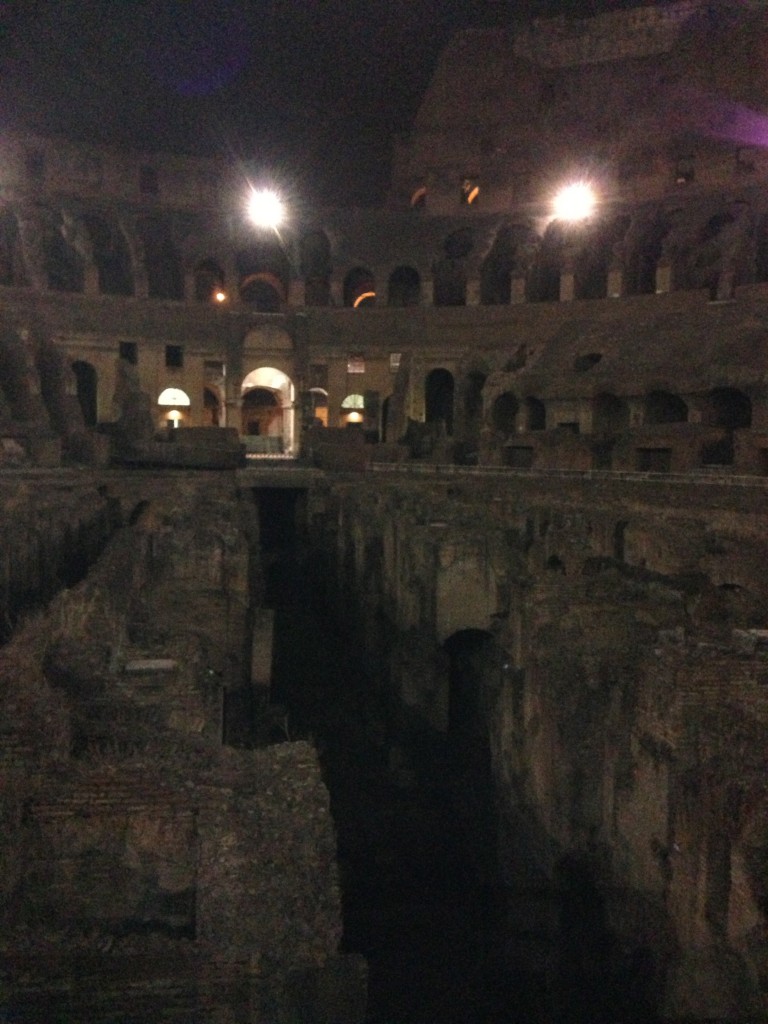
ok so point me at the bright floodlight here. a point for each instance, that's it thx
(265, 209)
(574, 202)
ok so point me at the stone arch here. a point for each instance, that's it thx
(272, 407)
(173, 405)
(316, 268)
(209, 280)
(535, 414)
(595, 256)
(263, 275)
(644, 246)
(64, 262)
(543, 281)
(404, 287)
(162, 261)
(87, 390)
(610, 414)
(728, 408)
(497, 267)
(359, 288)
(664, 407)
(111, 256)
(352, 411)
(438, 398)
(450, 272)
(504, 414)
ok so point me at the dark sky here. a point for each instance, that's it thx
(310, 89)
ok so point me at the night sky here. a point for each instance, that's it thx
(310, 90)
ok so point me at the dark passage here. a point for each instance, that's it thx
(422, 901)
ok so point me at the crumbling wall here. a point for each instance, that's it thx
(619, 699)
(148, 872)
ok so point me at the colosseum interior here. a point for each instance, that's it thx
(383, 599)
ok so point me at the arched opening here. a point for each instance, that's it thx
(111, 256)
(644, 253)
(263, 275)
(665, 407)
(450, 272)
(209, 282)
(211, 408)
(504, 414)
(268, 420)
(594, 259)
(173, 404)
(352, 412)
(165, 277)
(728, 408)
(404, 288)
(359, 288)
(315, 263)
(385, 436)
(264, 291)
(261, 413)
(543, 283)
(438, 398)
(86, 382)
(499, 264)
(610, 414)
(64, 264)
(535, 414)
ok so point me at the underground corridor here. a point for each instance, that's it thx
(445, 938)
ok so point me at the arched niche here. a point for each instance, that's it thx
(535, 414)
(438, 398)
(211, 407)
(610, 414)
(664, 407)
(543, 281)
(450, 271)
(352, 411)
(404, 287)
(64, 258)
(111, 256)
(165, 276)
(359, 288)
(11, 260)
(268, 409)
(173, 405)
(318, 406)
(504, 414)
(728, 408)
(263, 275)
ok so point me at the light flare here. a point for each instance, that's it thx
(574, 202)
(266, 209)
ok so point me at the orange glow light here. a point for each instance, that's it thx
(220, 296)
(363, 298)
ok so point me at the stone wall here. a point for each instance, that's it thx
(148, 872)
(603, 641)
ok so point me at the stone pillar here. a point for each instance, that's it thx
(473, 290)
(726, 284)
(189, 286)
(91, 279)
(567, 283)
(141, 284)
(517, 291)
(663, 277)
(296, 292)
(337, 292)
(615, 281)
(428, 292)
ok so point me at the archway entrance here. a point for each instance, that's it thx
(268, 419)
